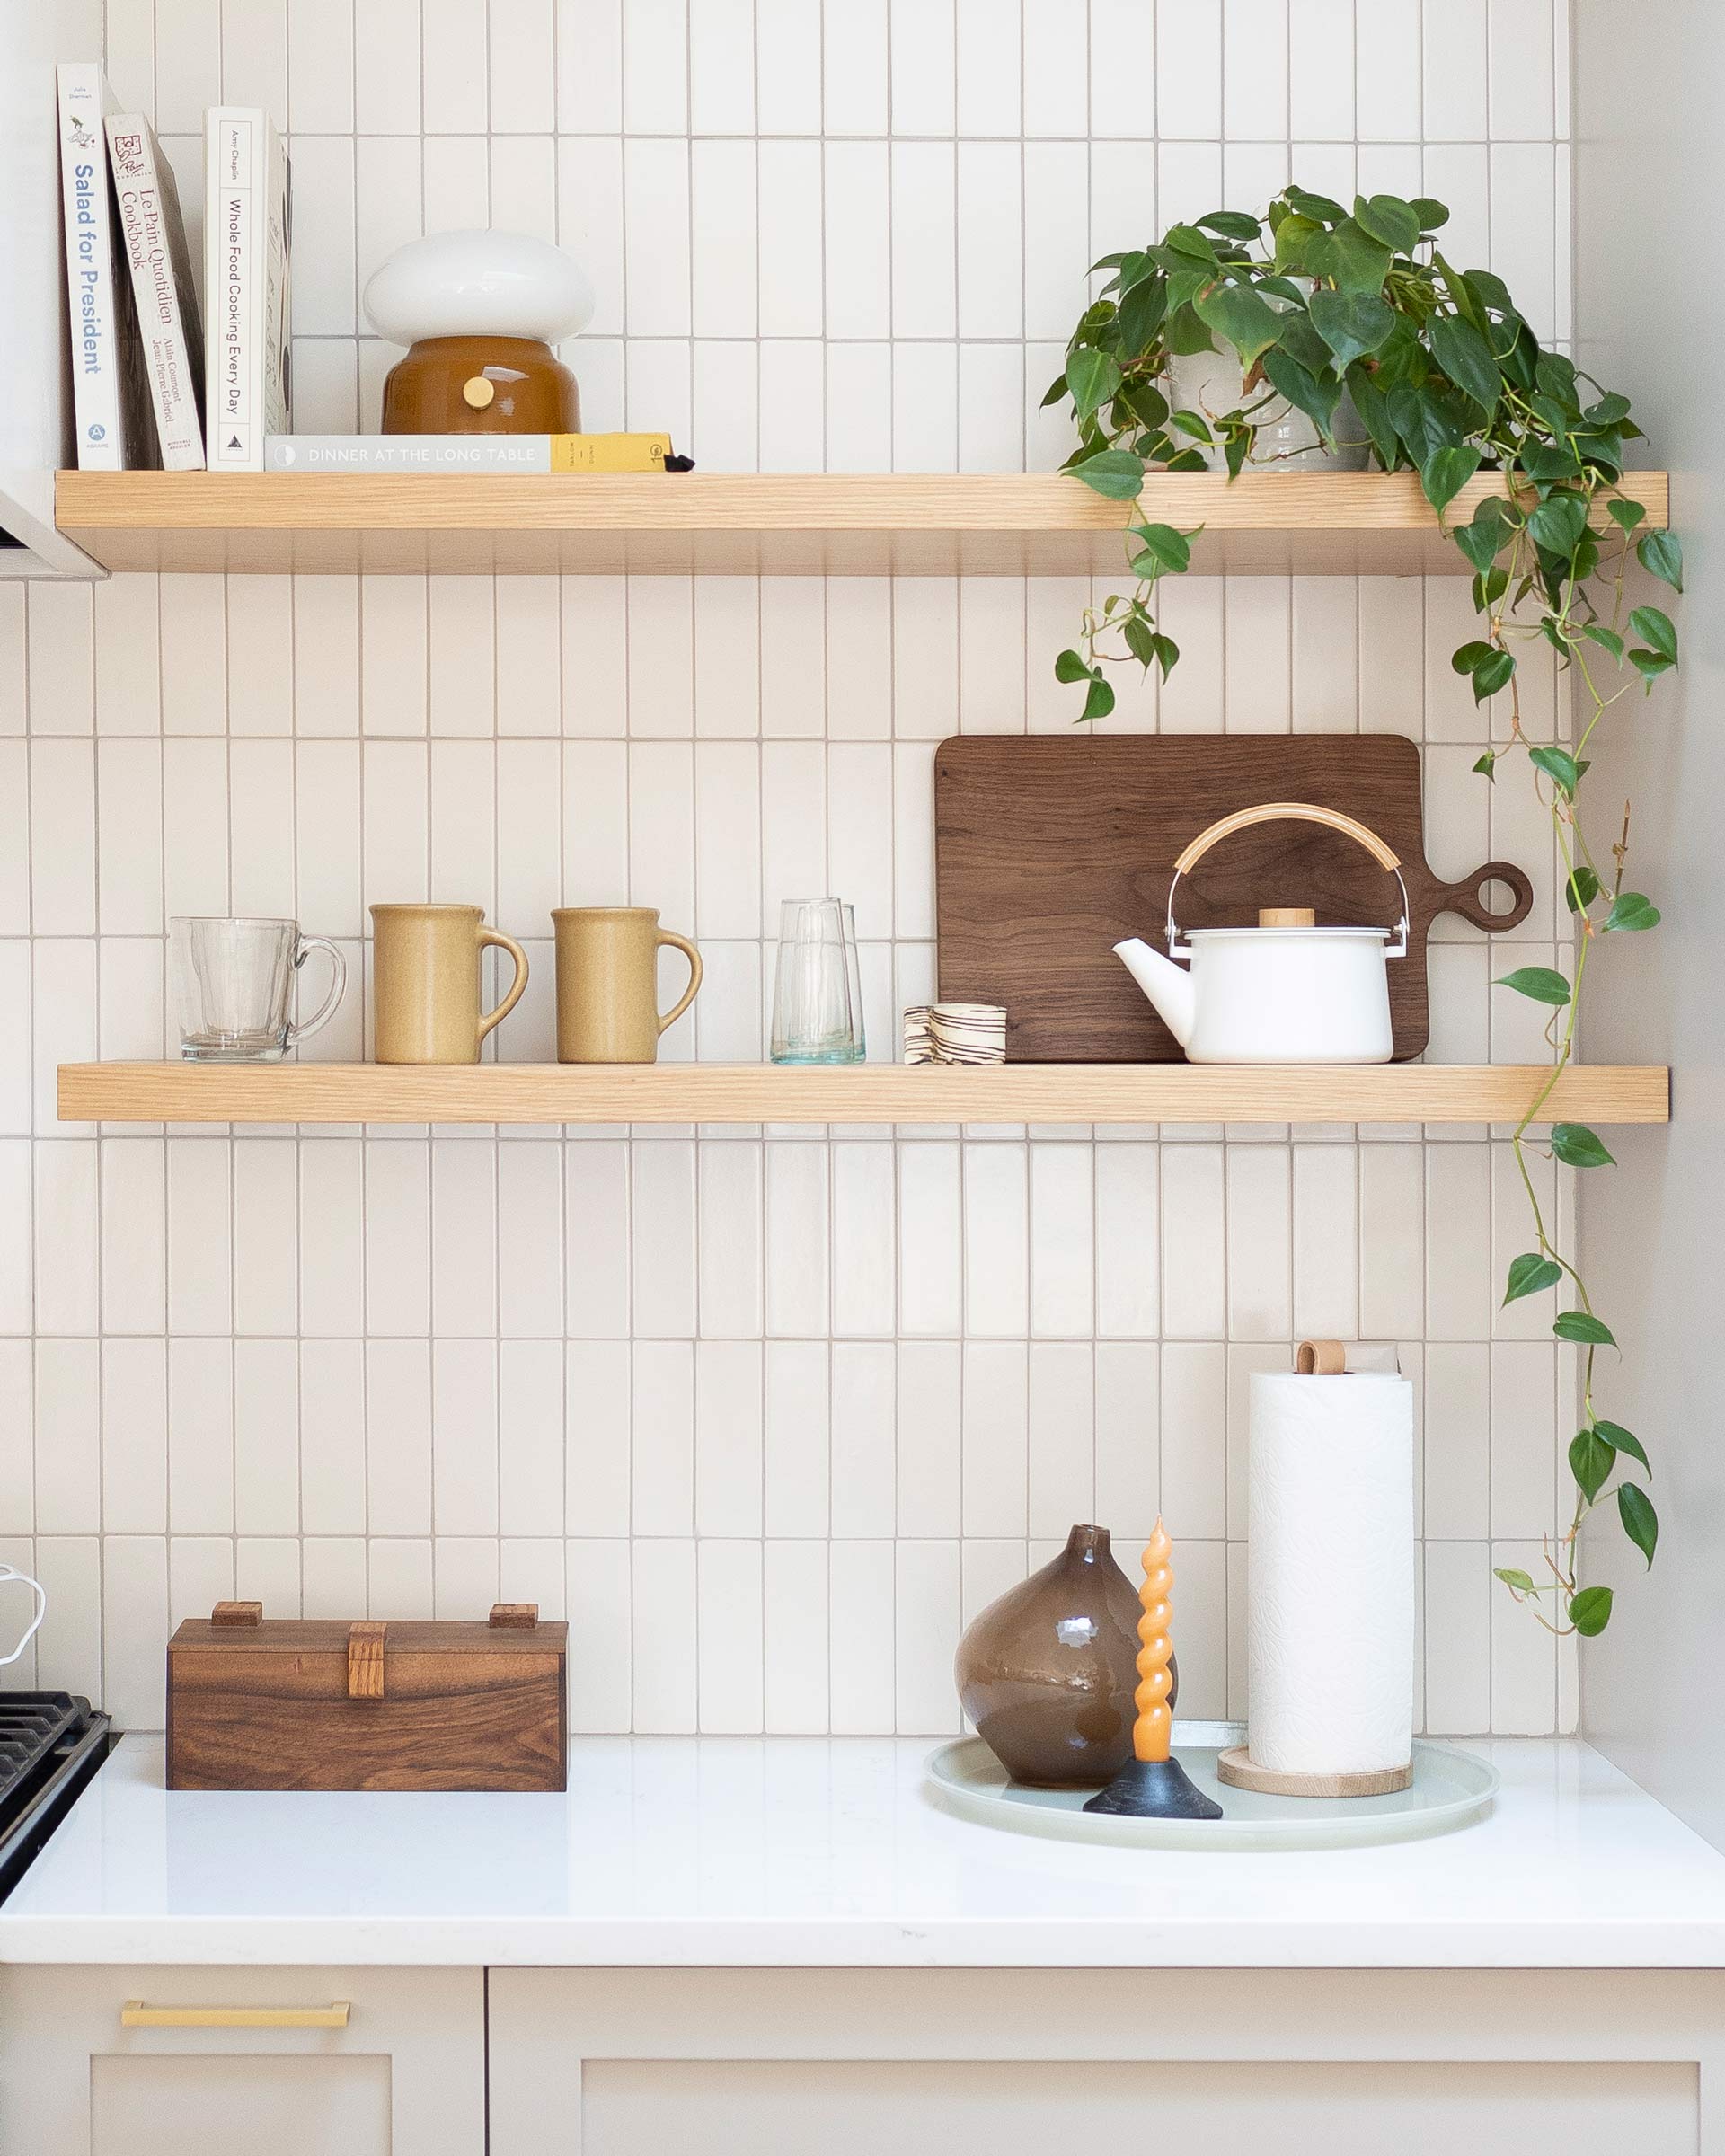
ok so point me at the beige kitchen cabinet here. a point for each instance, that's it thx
(212, 2062)
(775, 2062)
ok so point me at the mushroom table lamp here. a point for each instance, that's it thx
(1152, 1784)
(479, 312)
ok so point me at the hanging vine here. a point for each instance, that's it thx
(1356, 320)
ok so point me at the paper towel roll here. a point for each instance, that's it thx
(1329, 1627)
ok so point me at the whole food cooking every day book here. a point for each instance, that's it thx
(473, 453)
(154, 233)
(248, 228)
(111, 393)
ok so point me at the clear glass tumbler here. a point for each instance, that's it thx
(233, 987)
(814, 1017)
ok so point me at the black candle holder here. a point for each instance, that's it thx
(1154, 1788)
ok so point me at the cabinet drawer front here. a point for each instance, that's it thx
(202, 2062)
(771, 2062)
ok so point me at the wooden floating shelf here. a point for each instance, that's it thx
(880, 1092)
(719, 524)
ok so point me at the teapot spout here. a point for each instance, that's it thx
(1168, 986)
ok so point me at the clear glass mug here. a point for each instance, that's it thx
(817, 998)
(232, 983)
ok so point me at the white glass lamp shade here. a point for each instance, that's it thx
(484, 284)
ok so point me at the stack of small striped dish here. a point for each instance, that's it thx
(955, 1033)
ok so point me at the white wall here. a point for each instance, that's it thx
(768, 1415)
(1648, 151)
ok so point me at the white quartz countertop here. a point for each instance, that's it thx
(789, 1851)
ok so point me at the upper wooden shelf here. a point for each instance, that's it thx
(878, 1093)
(719, 524)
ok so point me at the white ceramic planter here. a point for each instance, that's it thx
(1212, 383)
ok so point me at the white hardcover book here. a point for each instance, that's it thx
(111, 399)
(407, 453)
(245, 285)
(154, 236)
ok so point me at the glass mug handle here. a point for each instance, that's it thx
(668, 936)
(9, 1572)
(326, 1010)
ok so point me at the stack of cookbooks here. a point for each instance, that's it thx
(149, 388)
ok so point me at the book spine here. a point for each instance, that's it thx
(234, 274)
(154, 236)
(277, 216)
(92, 297)
(439, 453)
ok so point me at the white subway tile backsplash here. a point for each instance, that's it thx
(645, 1378)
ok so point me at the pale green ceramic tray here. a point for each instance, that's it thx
(1450, 1789)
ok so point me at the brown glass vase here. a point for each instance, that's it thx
(1047, 1672)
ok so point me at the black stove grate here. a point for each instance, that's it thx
(31, 1724)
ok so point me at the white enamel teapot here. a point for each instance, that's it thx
(1286, 991)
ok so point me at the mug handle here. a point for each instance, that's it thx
(696, 969)
(12, 1572)
(502, 942)
(326, 1010)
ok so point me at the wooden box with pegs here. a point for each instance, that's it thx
(317, 1703)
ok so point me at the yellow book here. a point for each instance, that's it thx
(610, 452)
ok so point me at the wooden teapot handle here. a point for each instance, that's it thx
(1298, 812)
(1273, 812)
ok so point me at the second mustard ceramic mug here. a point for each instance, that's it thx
(425, 982)
(608, 983)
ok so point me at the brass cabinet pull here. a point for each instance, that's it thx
(135, 2014)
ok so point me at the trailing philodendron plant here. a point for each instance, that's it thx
(1358, 315)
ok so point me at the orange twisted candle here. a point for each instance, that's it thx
(1153, 1730)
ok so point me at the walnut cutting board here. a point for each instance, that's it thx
(1049, 850)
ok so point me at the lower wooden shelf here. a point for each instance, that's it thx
(881, 1092)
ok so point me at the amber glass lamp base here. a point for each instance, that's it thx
(481, 385)
(1154, 1788)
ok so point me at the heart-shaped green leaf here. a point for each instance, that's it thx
(1641, 1522)
(1539, 982)
(1557, 522)
(1584, 1328)
(1591, 1460)
(1116, 473)
(1093, 377)
(1467, 358)
(1389, 219)
(1558, 765)
(1169, 549)
(1606, 638)
(1513, 1577)
(1656, 629)
(1622, 1441)
(1528, 1273)
(1349, 258)
(1578, 1147)
(1492, 673)
(1316, 396)
(1446, 471)
(1099, 700)
(1590, 1611)
(1632, 910)
(1661, 556)
(1250, 324)
(1232, 224)
(1069, 667)
(1481, 540)
(1351, 323)
(1433, 214)
(1581, 889)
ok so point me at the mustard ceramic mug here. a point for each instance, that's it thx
(425, 982)
(608, 983)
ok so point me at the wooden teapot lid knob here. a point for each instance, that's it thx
(1287, 916)
(478, 390)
